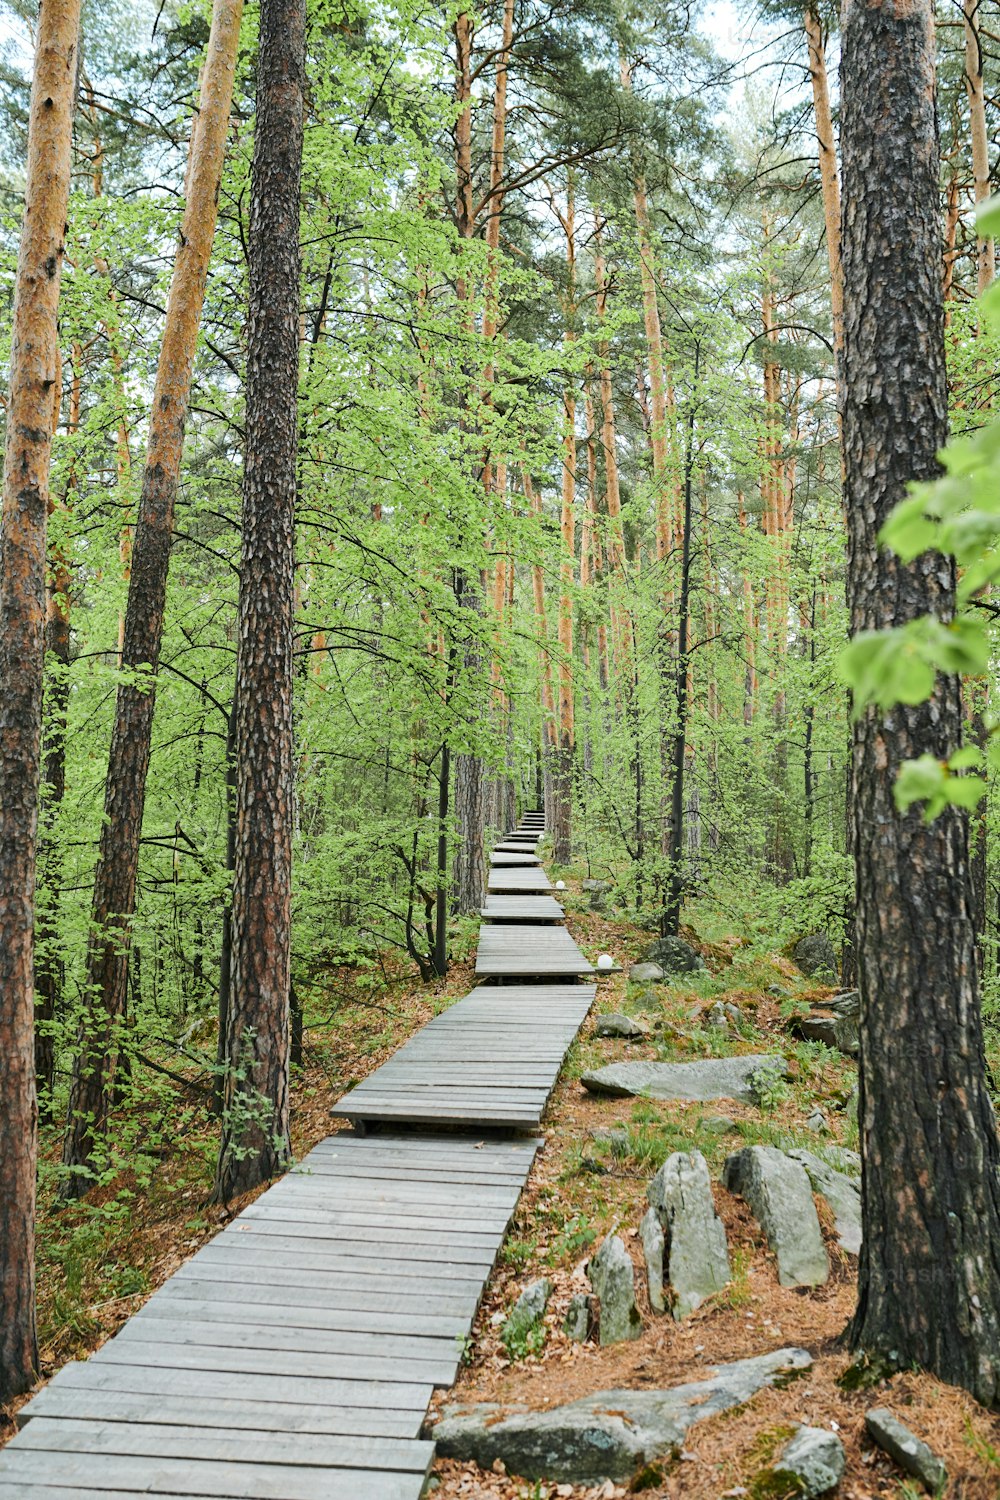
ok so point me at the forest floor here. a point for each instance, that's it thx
(100, 1260)
(580, 1190)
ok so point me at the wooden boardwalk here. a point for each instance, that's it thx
(522, 909)
(519, 950)
(293, 1357)
(504, 879)
(490, 1060)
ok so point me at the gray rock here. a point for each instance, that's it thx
(779, 990)
(674, 956)
(597, 887)
(815, 956)
(529, 1308)
(847, 1004)
(617, 1024)
(812, 1463)
(911, 1454)
(653, 1248)
(719, 1124)
(711, 1078)
(817, 1121)
(607, 1435)
(841, 1192)
(645, 974)
(697, 1261)
(779, 1194)
(613, 1279)
(579, 1319)
(837, 1032)
(717, 1017)
(843, 1160)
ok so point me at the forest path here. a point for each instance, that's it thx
(294, 1356)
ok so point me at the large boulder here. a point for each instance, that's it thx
(779, 1195)
(910, 1452)
(843, 1193)
(695, 1256)
(815, 956)
(710, 1078)
(613, 1279)
(674, 956)
(811, 1464)
(605, 1436)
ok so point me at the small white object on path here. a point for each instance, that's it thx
(605, 962)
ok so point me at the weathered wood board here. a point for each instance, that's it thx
(522, 950)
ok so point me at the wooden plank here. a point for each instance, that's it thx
(305, 1255)
(353, 1398)
(113, 1473)
(206, 1410)
(391, 1356)
(436, 1294)
(365, 1313)
(380, 1327)
(519, 949)
(517, 879)
(523, 908)
(351, 1371)
(514, 861)
(155, 1437)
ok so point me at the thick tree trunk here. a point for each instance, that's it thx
(929, 1274)
(125, 788)
(255, 1117)
(34, 359)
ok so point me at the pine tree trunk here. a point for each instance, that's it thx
(125, 787)
(975, 90)
(827, 143)
(34, 360)
(562, 777)
(255, 1118)
(929, 1273)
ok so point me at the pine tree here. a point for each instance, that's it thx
(255, 1138)
(34, 380)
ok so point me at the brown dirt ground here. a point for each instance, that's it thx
(722, 1455)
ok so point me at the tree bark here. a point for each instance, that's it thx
(929, 1273)
(125, 788)
(827, 143)
(976, 92)
(34, 361)
(255, 1117)
(562, 777)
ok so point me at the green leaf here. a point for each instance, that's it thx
(965, 759)
(918, 781)
(988, 218)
